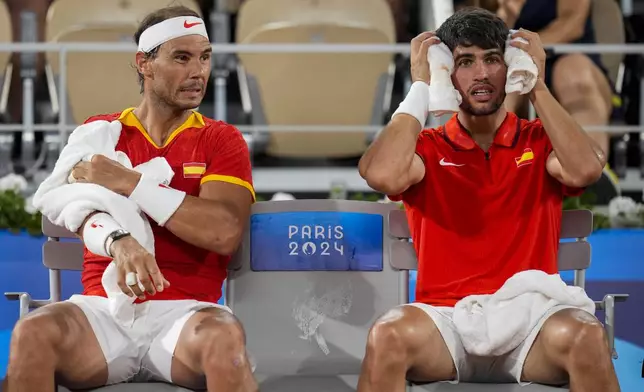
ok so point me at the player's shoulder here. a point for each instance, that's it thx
(431, 137)
(432, 133)
(103, 117)
(532, 131)
(531, 127)
(217, 129)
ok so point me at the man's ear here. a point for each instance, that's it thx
(143, 64)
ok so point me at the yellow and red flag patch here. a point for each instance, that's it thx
(526, 158)
(193, 169)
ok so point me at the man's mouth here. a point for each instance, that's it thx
(482, 94)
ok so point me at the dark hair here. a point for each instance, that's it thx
(473, 26)
(156, 17)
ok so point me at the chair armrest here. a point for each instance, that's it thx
(26, 302)
(608, 306)
(24, 298)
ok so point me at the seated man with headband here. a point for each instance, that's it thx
(176, 332)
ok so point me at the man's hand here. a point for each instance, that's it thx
(131, 257)
(107, 173)
(534, 48)
(419, 62)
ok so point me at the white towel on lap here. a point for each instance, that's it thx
(68, 205)
(495, 324)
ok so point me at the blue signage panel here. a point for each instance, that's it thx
(316, 241)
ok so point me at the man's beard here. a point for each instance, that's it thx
(489, 108)
(165, 99)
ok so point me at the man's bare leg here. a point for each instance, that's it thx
(404, 344)
(582, 89)
(213, 344)
(572, 347)
(54, 344)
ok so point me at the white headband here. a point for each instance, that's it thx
(169, 29)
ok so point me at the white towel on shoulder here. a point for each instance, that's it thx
(495, 324)
(68, 205)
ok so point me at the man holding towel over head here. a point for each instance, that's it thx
(483, 196)
(174, 332)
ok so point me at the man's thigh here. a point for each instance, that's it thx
(171, 357)
(439, 353)
(118, 351)
(81, 361)
(533, 361)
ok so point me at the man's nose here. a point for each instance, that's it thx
(198, 69)
(481, 71)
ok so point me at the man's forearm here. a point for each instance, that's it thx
(578, 155)
(208, 224)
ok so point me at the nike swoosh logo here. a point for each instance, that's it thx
(444, 163)
(189, 25)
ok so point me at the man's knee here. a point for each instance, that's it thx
(575, 80)
(394, 335)
(41, 329)
(221, 341)
(575, 336)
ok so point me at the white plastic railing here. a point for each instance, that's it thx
(63, 48)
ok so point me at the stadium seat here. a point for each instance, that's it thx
(68, 255)
(574, 256)
(316, 89)
(609, 29)
(97, 82)
(6, 67)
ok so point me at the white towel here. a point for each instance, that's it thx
(443, 97)
(68, 205)
(522, 71)
(495, 324)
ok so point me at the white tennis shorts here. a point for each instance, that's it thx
(506, 368)
(143, 349)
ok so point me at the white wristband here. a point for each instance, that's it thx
(158, 201)
(416, 103)
(96, 231)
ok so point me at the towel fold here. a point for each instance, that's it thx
(522, 76)
(495, 324)
(68, 204)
